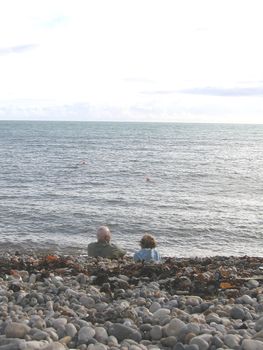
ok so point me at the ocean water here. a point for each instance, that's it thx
(59, 181)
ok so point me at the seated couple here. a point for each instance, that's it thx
(104, 248)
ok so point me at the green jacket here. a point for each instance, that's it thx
(105, 250)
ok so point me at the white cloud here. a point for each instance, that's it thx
(106, 53)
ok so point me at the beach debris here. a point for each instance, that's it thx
(200, 276)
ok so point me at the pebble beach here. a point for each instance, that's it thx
(55, 302)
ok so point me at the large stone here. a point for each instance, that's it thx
(193, 301)
(237, 313)
(246, 299)
(179, 346)
(35, 345)
(70, 330)
(101, 335)
(259, 324)
(52, 334)
(54, 346)
(59, 322)
(87, 301)
(251, 284)
(37, 322)
(258, 335)
(40, 335)
(202, 343)
(232, 340)
(193, 328)
(85, 334)
(13, 344)
(191, 347)
(249, 344)
(16, 330)
(156, 332)
(122, 332)
(154, 307)
(169, 341)
(161, 314)
(213, 317)
(99, 346)
(175, 327)
(112, 341)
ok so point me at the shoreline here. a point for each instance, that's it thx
(55, 302)
(53, 248)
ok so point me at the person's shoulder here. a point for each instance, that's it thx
(116, 250)
(92, 244)
(92, 247)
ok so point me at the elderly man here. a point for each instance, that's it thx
(103, 247)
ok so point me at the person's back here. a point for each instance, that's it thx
(148, 251)
(103, 247)
(147, 254)
(105, 250)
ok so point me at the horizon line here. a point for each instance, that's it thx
(129, 121)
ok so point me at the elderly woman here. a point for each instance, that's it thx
(148, 250)
(103, 247)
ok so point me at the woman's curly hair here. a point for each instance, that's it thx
(148, 241)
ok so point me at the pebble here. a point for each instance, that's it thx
(249, 344)
(200, 342)
(175, 327)
(67, 311)
(237, 313)
(169, 341)
(259, 324)
(232, 340)
(16, 330)
(156, 332)
(122, 332)
(85, 334)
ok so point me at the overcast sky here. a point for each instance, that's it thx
(132, 60)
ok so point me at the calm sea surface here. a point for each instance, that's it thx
(59, 181)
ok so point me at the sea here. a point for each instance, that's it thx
(198, 188)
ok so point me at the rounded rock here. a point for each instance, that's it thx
(237, 313)
(175, 327)
(192, 347)
(101, 335)
(161, 313)
(122, 332)
(249, 344)
(70, 330)
(179, 346)
(154, 307)
(232, 340)
(246, 299)
(251, 284)
(59, 322)
(85, 334)
(16, 330)
(259, 324)
(54, 346)
(40, 335)
(87, 301)
(97, 346)
(213, 317)
(169, 341)
(156, 332)
(202, 344)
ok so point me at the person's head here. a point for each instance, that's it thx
(103, 234)
(148, 241)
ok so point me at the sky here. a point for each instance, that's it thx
(132, 60)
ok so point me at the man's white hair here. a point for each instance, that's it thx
(103, 234)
